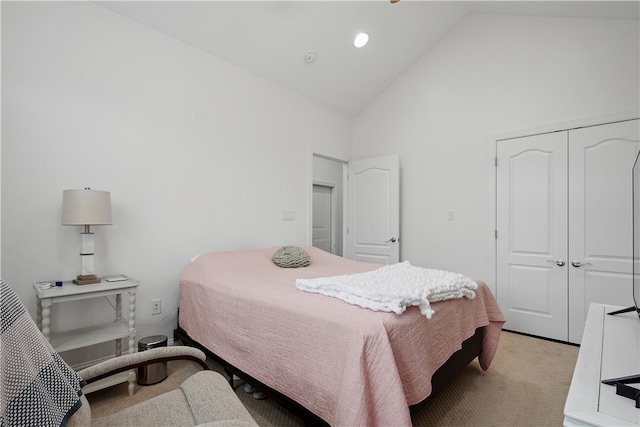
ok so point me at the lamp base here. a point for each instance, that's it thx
(86, 279)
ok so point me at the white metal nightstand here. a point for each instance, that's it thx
(82, 337)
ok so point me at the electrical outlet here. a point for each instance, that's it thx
(156, 306)
(451, 215)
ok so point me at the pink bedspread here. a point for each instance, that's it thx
(349, 365)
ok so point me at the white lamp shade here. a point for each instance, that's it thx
(86, 207)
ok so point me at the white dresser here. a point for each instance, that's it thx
(610, 348)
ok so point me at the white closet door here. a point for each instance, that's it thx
(532, 234)
(600, 162)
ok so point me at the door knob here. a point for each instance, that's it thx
(392, 240)
(558, 262)
(577, 263)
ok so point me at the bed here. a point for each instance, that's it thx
(346, 364)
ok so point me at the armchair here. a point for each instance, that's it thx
(39, 388)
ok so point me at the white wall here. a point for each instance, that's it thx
(198, 154)
(492, 74)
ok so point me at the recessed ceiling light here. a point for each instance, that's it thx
(360, 40)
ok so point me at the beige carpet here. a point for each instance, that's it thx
(526, 385)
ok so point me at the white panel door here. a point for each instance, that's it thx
(322, 231)
(532, 234)
(600, 243)
(374, 210)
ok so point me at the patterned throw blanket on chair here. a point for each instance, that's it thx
(38, 388)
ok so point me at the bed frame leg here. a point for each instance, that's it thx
(230, 374)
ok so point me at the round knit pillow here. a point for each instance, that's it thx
(291, 257)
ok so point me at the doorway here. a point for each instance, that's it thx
(327, 204)
(323, 218)
(355, 208)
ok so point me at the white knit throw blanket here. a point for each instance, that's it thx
(393, 288)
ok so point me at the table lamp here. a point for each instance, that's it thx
(86, 207)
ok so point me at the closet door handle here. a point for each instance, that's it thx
(392, 240)
(558, 262)
(577, 263)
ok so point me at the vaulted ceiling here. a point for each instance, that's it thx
(273, 39)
